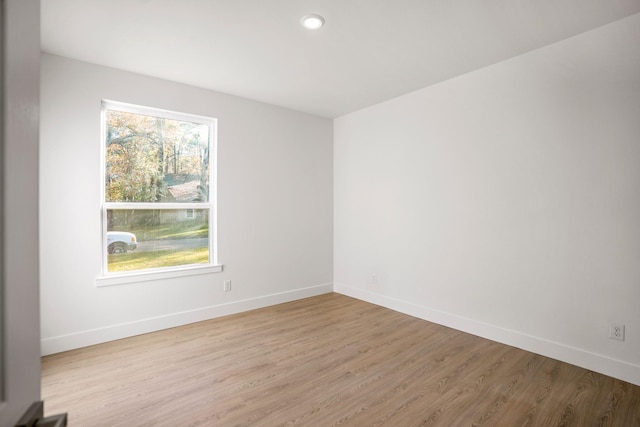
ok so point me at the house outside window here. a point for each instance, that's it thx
(158, 210)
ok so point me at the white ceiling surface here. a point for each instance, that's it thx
(369, 51)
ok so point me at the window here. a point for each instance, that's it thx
(158, 210)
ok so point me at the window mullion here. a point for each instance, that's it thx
(156, 206)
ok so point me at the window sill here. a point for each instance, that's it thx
(136, 277)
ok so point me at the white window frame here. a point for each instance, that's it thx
(116, 278)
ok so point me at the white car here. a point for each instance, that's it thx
(119, 242)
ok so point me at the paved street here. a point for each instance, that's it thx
(175, 244)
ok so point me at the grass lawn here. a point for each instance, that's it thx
(132, 261)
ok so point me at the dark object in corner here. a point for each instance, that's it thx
(34, 417)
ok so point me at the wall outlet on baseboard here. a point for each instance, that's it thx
(616, 331)
(227, 286)
(373, 279)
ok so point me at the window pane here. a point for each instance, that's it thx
(155, 159)
(140, 239)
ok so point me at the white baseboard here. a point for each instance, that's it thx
(113, 332)
(575, 356)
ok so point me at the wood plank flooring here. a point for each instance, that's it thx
(326, 361)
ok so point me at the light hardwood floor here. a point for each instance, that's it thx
(324, 361)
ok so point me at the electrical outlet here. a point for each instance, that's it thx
(616, 331)
(227, 286)
(373, 278)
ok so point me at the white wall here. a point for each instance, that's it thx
(274, 216)
(505, 202)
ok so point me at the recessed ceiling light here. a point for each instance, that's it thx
(312, 22)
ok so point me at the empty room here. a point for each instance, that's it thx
(317, 213)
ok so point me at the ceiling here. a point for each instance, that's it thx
(368, 51)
